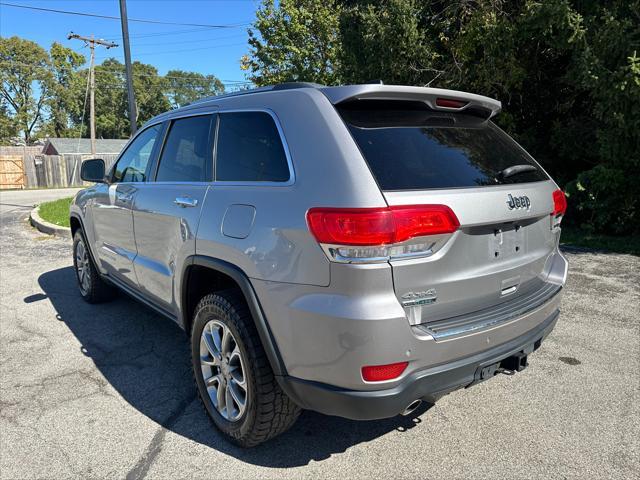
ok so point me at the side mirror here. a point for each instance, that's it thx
(92, 170)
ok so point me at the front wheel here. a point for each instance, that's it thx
(92, 288)
(234, 379)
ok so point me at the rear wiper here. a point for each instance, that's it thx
(515, 170)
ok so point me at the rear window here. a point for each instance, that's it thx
(408, 146)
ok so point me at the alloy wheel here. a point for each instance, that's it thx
(82, 268)
(223, 370)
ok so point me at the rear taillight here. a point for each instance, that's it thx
(380, 373)
(559, 203)
(374, 234)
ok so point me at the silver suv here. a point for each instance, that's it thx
(353, 250)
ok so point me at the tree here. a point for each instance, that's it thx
(112, 120)
(386, 41)
(66, 86)
(8, 127)
(182, 87)
(298, 40)
(567, 74)
(26, 80)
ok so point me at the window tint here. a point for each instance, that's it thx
(411, 147)
(132, 165)
(249, 149)
(187, 156)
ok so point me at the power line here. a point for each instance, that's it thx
(164, 52)
(101, 69)
(110, 17)
(199, 40)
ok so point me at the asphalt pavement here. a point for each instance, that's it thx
(106, 391)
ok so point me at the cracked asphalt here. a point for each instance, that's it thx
(106, 391)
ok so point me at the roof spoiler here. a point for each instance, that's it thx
(435, 98)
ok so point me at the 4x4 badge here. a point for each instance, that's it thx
(419, 298)
(518, 202)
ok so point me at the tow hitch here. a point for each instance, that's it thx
(507, 366)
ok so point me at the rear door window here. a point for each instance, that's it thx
(250, 149)
(408, 146)
(187, 152)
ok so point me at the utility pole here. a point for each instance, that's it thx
(91, 43)
(127, 62)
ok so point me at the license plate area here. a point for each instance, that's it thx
(507, 241)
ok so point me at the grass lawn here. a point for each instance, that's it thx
(575, 237)
(56, 212)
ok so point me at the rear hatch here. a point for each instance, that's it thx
(502, 198)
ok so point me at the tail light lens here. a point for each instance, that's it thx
(374, 234)
(559, 203)
(380, 373)
(379, 226)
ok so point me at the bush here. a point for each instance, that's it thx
(604, 199)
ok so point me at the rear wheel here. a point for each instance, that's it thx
(92, 288)
(234, 379)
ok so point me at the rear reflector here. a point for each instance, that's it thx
(559, 203)
(450, 103)
(379, 373)
(379, 226)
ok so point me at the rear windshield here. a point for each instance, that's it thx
(408, 146)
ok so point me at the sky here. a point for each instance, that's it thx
(192, 48)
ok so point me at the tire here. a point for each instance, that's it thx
(267, 411)
(91, 286)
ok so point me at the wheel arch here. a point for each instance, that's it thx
(220, 274)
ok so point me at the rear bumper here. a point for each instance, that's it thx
(427, 384)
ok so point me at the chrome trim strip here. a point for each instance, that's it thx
(492, 316)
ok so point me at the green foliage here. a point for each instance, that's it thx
(408, 56)
(67, 84)
(8, 128)
(602, 200)
(43, 93)
(185, 87)
(566, 71)
(24, 71)
(298, 40)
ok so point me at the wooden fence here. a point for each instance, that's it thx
(12, 174)
(33, 170)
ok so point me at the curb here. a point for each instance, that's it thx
(45, 227)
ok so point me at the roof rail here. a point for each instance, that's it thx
(292, 85)
(268, 88)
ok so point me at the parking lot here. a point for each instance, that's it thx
(106, 391)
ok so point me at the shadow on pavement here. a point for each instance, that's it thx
(145, 358)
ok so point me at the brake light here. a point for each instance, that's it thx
(379, 226)
(379, 373)
(559, 203)
(450, 103)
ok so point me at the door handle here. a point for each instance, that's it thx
(185, 202)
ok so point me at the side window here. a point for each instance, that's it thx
(132, 165)
(250, 149)
(187, 152)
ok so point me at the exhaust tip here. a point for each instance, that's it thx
(412, 407)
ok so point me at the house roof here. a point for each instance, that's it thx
(83, 145)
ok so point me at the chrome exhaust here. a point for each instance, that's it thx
(411, 407)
